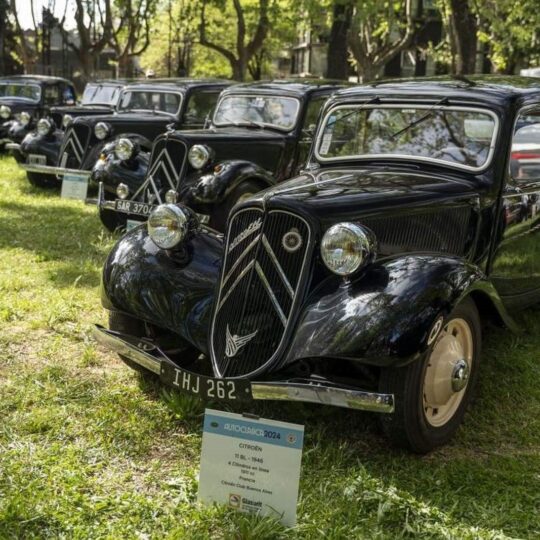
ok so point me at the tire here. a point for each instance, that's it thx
(118, 322)
(113, 221)
(42, 180)
(218, 219)
(183, 355)
(422, 420)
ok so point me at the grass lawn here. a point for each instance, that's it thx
(88, 451)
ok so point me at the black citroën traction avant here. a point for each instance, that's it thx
(362, 282)
(143, 112)
(260, 134)
(42, 145)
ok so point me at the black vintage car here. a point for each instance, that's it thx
(43, 144)
(260, 135)
(24, 99)
(363, 282)
(144, 111)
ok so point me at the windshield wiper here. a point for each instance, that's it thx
(443, 101)
(354, 111)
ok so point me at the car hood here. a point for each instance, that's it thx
(127, 118)
(345, 194)
(243, 134)
(81, 109)
(18, 105)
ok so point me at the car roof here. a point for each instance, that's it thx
(34, 78)
(176, 84)
(296, 87)
(479, 88)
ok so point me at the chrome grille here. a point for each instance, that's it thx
(74, 146)
(260, 285)
(165, 170)
(445, 230)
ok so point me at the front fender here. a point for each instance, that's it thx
(17, 132)
(171, 290)
(214, 187)
(384, 317)
(112, 171)
(45, 145)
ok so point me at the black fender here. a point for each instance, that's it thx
(385, 317)
(45, 145)
(173, 290)
(212, 187)
(112, 171)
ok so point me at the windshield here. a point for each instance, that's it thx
(273, 111)
(150, 100)
(100, 93)
(31, 92)
(459, 136)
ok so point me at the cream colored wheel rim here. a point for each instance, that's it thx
(447, 372)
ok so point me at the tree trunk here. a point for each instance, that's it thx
(337, 64)
(464, 33)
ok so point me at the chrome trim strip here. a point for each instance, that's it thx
(118, 345)
(271, 294)
(241, 258)
(325, 395)
(322, 393)
(281, 273)
(13, 146)
(363, 157)
(49, 169)
(236, 282)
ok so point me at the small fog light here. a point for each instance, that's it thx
(122, 191)
(171, 196)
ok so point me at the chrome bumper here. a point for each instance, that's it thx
(312, 392)
(49, 169)
(12, 146)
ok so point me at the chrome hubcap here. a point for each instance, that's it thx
(447, 372)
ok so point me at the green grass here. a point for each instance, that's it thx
(88, 451)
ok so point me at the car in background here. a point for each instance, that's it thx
(259, 135)
(364, 281)
(24, 99)
(525, 154)
(43, 144)
(144, 111)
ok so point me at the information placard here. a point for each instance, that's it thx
(74, 186)
(251, 465)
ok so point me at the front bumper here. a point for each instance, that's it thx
(311, 391)
(49, 169)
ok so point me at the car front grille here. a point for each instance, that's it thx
(74, 146)
(165, 170)
(263, 278)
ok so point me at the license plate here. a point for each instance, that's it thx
(133, 207)
(205, 387)
(36, 159)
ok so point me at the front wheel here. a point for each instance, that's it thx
(218, 219)
(432, 394)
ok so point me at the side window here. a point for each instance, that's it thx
(68, 95)
(525, 152)
(172, 102)
(52, 94)
(312, 113)
(198, 107)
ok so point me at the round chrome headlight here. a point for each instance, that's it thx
(101, 130)
(24, 118)
(124, 149)
(345, 247)
(5, 112)
(199, 156)
(67, 120)
(44, 126)
(168, 225)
